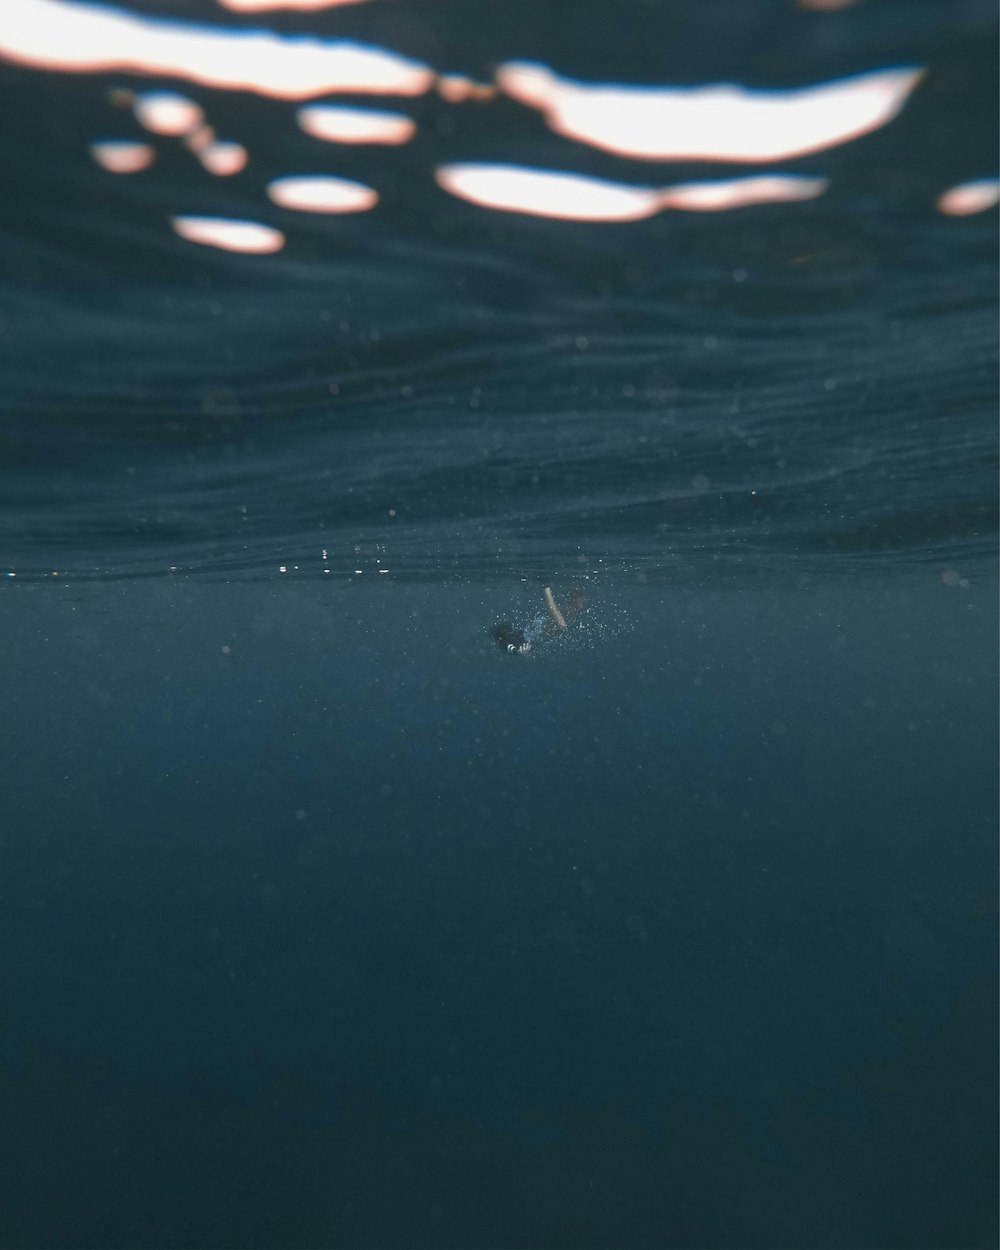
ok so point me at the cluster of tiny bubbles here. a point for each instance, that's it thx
(601, 620)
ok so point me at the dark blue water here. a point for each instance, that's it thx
(325, 922)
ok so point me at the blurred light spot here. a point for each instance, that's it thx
(222, 158)
(336, 124)
(724, 123)
(826, 6)
(84, 38)
(231, 236)
(165, 113)
(710, 197)
(970, 197)
(120, 156)
(573, 197)
(456, 89)
(322, 195)
(570, 197)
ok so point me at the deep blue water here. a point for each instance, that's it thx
(326, 923)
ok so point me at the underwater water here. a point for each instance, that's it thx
(326, 921)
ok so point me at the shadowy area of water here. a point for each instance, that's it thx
(333, 925)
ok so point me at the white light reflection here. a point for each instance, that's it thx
(969, 198)
(84, 38)
(165, 113)
(221, 157)
(575, 197)
(570, 197)
(322, 195)
(122, 156)
(714, 197)
(334, 123)
(230, 236)
(716, 123)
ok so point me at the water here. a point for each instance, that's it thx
(327, 922)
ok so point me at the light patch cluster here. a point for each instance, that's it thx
(718, 122)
